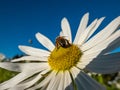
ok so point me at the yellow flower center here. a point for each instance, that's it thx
(64, 58)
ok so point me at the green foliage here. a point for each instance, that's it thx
(5, 75)
(104, 79)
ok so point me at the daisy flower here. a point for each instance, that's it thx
(63, 65)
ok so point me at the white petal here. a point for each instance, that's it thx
(61, 84)
(19, 67)
(66, 29)
(68, 81)
(30, 82)
(86, 59)
(75, 71)
(81, 28)
(22, 85)
(82, 65)
(51, 84)
(61, 34)
(16, 88)
(105, 64)
(107, 43)
(115, 44)
(84, 36)
(57, 84)
(54, 83)
(35, 66)
(44, 82)
(90, 30)
(34, 51)
(10, 66)
(102, 35)
(88, 83)
(45, 41)
(30, 58)
(15, 80)
(37, 78)
(96, 26)
(90, 55)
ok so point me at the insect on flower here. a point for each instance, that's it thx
(63, 67)
(62, 42)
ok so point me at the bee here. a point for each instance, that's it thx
(62, 42)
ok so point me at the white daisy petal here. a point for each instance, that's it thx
(105, 64)
(61, 34)
(54, 83)
(16, 88)
(81, 28)
(48, 78)
(108, 42)
(44, 82)
(30, 82)
(45, 41)
(75, 71)
(96, 26)
(102, 35)
(115, 44)
(68, 81)
(90, 55)
(34, 51)
(23, 85)
(10, 66)
(90, 30)
(82, 65)
(34, 66)
(61, 84)
(86, 59)
(30, 58)
(84, 36)
(15, 80)
(19, 67)
(66, 29)
(107, 46)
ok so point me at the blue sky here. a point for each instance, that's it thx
(20, 20)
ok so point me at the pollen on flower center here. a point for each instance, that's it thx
(64, 58)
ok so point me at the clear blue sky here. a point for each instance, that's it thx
(21, 19)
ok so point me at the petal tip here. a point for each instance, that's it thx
(37, 34)
(103, 18)
(64, 20)
(87, 14)
(21, 47)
